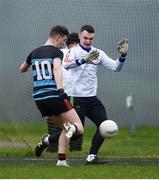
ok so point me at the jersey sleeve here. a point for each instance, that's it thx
(60, 55)
(28, 60)
(111, 64)
(70, 59)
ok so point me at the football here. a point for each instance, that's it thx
(108, 128)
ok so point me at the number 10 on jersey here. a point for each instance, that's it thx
(45, 71)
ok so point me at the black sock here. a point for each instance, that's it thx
(61, 157)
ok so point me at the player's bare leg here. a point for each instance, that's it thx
(71, 124)
(71, 118)
(62, 148)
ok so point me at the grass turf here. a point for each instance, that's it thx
(49, 170)
(144, 145)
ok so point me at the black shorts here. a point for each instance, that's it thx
(53, 106)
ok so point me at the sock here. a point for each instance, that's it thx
(46, 140)
(61, 157)
(75, 128)
(91, 157)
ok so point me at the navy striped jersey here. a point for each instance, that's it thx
(41, 60)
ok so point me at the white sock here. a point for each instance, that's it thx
(46, 140)
(73, 126)
(91, 157)
(62, 161)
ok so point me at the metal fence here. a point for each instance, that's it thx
(25, 26)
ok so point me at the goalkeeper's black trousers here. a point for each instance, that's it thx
(92, 108)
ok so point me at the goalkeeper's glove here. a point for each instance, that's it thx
(91, 56)
(122, 47)
(88, 58)
(62, 94)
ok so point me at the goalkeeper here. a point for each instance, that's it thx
(83, 82)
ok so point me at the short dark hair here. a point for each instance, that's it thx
(87, 28)
(72, 38)
(59, 30)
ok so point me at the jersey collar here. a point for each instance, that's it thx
(48, 43)
(86, 49)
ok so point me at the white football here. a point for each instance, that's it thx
(108, 128)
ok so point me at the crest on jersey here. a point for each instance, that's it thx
(68, 58)
(96, 61)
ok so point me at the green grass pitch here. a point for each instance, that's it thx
(144, 147)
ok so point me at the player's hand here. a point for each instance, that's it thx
(91, 56)
(122, 46)
(62, 94)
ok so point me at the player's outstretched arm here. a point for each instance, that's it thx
(122, 48)
(26, 64)
(24, 67)
(71, 62)
(88, 58)
(91, 56)
(116, 65)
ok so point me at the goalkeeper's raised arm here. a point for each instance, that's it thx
(71, 61)
(79, 56)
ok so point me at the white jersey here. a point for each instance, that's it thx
(82, 79)
(66, 73)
